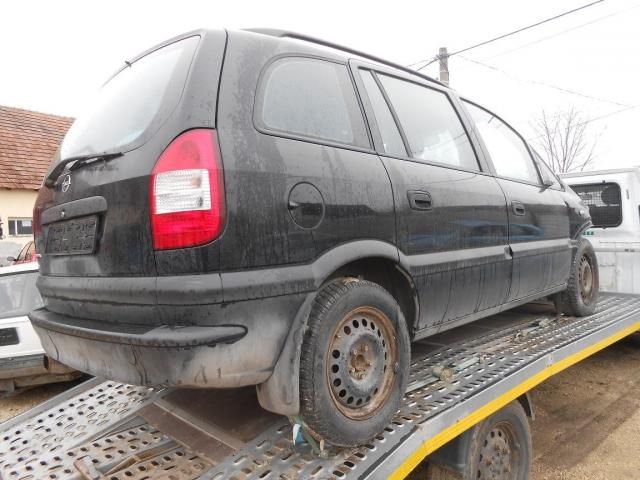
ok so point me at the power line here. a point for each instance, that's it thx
(562, 32)
(500, 37)
(610, 114)
(545, 84)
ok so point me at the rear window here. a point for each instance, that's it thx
(133, 104)
(604, 201)
(311, 98)
(18, 294)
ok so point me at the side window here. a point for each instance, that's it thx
(430, 123)
(508, 151)
(312, 98)
(391, 138)
(604, 201)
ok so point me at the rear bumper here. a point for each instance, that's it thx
(203, 346)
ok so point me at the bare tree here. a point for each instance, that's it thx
(565, 140)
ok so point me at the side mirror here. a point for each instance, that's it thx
(547, 182)
(11, 259)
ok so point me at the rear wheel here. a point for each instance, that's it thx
(354, 364)
(581, 296)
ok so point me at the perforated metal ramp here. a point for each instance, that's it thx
(106, 430)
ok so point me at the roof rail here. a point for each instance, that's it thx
(274, 32)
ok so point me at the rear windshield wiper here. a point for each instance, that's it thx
(77, 161)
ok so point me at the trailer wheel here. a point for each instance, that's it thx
(581, 296)
(498, 448)
(501, 450)
(354, 364)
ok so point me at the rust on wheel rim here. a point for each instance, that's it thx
(587, 279)
(361, 362)
(499, 454)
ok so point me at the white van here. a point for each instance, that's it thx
(613, 198)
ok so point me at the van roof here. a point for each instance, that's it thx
(595, 173)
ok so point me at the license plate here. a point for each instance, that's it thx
(72, 237)
(8, 336)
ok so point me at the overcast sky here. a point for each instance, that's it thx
(55, 55)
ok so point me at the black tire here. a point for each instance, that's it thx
(348, 346)
(581, 296)
(507, 429)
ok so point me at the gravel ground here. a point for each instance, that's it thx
(587, 424)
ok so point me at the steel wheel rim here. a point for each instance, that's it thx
(586, 279)
(500, 456)
(361, 362)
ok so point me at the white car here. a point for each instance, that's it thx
(22, 359)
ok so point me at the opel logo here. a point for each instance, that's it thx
(66, 183)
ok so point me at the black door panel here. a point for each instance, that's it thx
(455, 249)
(538, 215)
(539, 238)
(451, 220)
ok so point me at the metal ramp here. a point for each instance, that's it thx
(106, 430)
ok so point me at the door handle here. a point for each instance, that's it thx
(518, 208)
(419, 200)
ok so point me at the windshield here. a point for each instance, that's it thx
(18, 294)
(131, 106)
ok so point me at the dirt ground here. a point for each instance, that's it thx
(18, 402)
(590, 433)
(587, 424)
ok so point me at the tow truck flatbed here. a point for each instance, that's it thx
(107, 430)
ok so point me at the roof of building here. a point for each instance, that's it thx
(28, 141)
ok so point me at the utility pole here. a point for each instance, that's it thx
(443, 58)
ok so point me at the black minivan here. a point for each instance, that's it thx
(264, 208)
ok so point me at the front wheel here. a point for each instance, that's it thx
(354, 364)
(581, 296)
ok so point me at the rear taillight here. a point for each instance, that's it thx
(187, 192)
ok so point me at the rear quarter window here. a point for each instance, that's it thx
(604, 201)
(311, 98)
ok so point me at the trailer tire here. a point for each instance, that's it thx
(354, 364)
(581, 296)
(507, 429)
